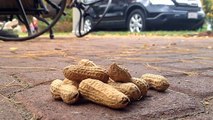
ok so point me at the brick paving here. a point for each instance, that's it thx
(27, 69)
(8, 111)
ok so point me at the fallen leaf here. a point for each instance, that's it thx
(206, 103)
(209, 47)
(13, 48)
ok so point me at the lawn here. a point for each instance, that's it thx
(145, 33)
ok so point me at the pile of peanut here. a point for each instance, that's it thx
(114, 88)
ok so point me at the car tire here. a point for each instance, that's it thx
(88, 23)
(197, 26)
(136, 21)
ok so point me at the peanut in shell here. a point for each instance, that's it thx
(72, 82)
(78, 73)
(118, 73)
(142, 85)
(69, 93)
(129, 89)
(156, 82)
(86, 62)
(102, 93)
(54, 89)
(65, 91)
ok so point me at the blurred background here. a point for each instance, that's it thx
(66, 22)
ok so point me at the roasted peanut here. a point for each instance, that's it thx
(129, 89)
(119, 74)
(142, 85)
(67, 92)
(102, 93)
(54, 89)
(156, 82)
(86, 62)
(78, 73)
(67, 81)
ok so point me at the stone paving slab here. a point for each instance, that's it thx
(208, 73)
(155, 105)
(36, 78)
(207, 115)
(204, 61)
(45, 62)
(188, 65)
(193, 85)
(8, 85)
(8, 111)
(12, 66)
(54, 62)
(38, 62)
(137, 70)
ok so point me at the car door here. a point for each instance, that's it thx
(115, 12)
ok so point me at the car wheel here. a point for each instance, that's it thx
(197, 26)
(88, 22)
(136, 21)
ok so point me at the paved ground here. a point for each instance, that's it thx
(27, 68)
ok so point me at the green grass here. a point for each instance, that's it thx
(145, 33)
(149, 33)
(125, 33)
(153, 33)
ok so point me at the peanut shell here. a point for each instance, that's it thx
(102, 93)
(78, 73)
(119, 74)
(69, 93)
(129, 89)
(156, 82)
(67, 81)
(86, 62)
(54, 89)
(65, 91)
(142, 85)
